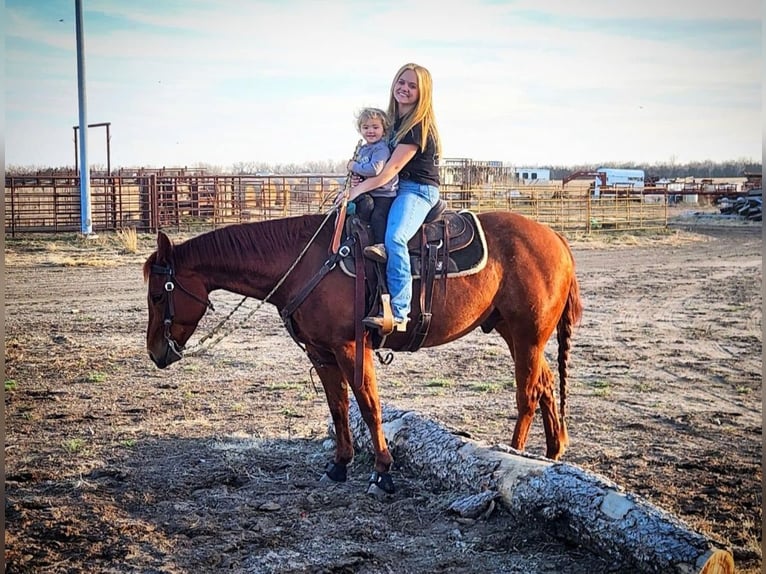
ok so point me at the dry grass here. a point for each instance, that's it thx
(85, 260)
(128, 239)
(104, 249)
(667, 237)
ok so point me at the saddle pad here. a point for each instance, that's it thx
(469, 260)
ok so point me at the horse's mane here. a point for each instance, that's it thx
(234, 246)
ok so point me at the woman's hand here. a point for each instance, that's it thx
(350, 165)
(342, 195)
(356, 179)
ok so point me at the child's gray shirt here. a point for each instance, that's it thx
(369, 162)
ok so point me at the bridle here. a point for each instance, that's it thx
(170, 284)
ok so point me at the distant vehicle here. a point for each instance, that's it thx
(628, 179)
(532, 174)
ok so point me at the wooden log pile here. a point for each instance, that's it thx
(568, 501)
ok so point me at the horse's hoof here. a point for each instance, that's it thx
(375, 491)
(335, 472)
(324, 479)
(381, 484)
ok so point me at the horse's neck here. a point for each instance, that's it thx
(252, 271)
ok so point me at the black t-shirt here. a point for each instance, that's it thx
(424, 165)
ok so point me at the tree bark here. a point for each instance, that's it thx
(566, 500)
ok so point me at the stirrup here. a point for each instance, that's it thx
(386, 322)
(378, 322)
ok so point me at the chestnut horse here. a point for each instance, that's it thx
(526, 290)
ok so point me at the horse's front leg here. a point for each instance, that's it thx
(336, 391)
(368, 399)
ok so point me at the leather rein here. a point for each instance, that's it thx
(172, 282)
(286, 313)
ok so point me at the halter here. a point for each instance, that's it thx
(170, 286)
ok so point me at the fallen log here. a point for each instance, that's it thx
(566, 500)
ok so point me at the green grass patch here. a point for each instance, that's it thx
(601, 388)
(439, 383)
(10, 385)
(494, 351)
(73, 445)
(284, 386)
(486, 387)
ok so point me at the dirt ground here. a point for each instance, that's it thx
(212, 465)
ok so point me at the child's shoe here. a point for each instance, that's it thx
(376, 252)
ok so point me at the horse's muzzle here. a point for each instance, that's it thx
(163, 360)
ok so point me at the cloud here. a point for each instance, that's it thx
(657, 10)
(194, 81)
(44, 29)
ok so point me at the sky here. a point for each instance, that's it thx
(526, 82)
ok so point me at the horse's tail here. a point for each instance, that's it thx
(569, 318)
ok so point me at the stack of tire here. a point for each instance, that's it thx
(748, 206)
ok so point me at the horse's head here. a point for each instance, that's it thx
(177, 299)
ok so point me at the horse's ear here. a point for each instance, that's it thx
(164, 246)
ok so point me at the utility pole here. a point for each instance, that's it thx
(86, 223)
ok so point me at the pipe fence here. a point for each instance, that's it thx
(151, 201)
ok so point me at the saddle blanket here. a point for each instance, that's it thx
(465, 261)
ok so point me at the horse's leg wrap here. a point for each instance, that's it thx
(381, 481)
(336, 471)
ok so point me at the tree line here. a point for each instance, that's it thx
(669, 169)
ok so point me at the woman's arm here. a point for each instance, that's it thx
(402, 154)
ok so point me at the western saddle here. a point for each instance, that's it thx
(434, 253)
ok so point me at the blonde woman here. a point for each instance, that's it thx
(416, 148)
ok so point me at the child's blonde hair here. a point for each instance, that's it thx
(367, 114)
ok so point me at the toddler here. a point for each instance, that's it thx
(373, 125)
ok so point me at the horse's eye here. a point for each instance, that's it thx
(157, 298)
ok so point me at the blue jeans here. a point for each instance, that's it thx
(412, 203)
